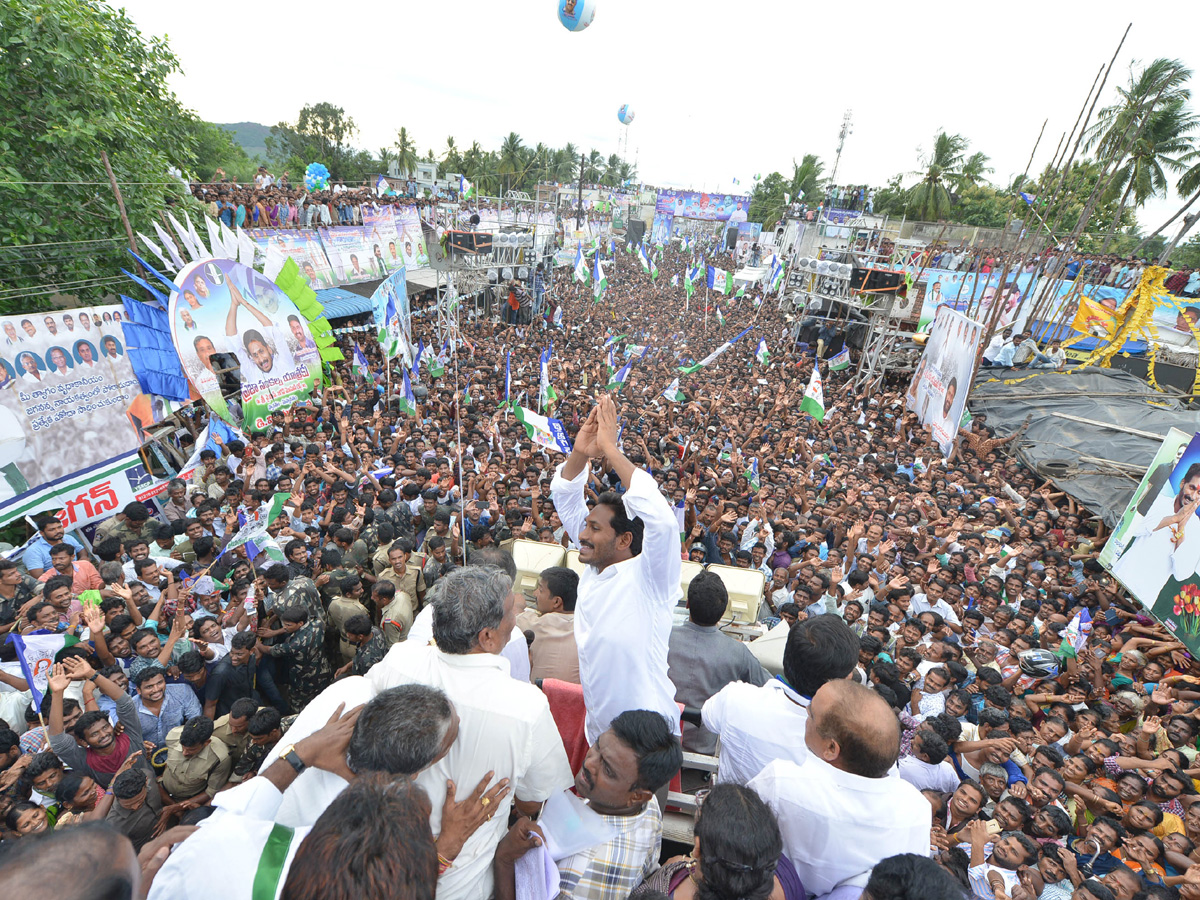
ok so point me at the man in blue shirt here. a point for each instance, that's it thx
(162, 706)
(51, 532)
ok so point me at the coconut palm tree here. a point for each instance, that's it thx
(593, 167)
(1161, 83)
(386, 156)
(929, 198)
(806, 178)
(974, 170)
(406, 153)
(511, 162)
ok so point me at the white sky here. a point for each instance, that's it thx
(720, 90)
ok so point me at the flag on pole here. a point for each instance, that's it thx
(467, 394)
(673, 393)
(543, 431)
(581, 272)
(416, 366)
(841, 361)
(761, 353)
(1075, 635)
(1028, 198)
(466, 190)
(546, 394)
(814, 396)
(776, 275)
(408, 402)
(616, 339)
(674, 281)
(599, 282)
(696, 367)
(610, 364)
(741, 291)
(689, 282)
(645, 259)
(720, 280)
(507, 378)
(437, 365)
(35, 653)
(653, 270)
(720, 317)
(359, 363)
(616, 382)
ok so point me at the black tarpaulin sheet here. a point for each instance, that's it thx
(1097, 465)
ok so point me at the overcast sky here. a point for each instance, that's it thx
(719, 90)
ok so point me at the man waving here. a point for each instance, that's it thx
(630, 545)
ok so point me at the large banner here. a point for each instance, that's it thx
(65, 384)
(696, 205)
(939, 387)
(302, 245)
(356, 252)
(393, 316)
(410, 240)
(1159, 558)
(225, 307)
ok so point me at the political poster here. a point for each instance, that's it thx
(355, 254)
(660, 230)
(410, 240)
(697, 205)
(65, 383)
(1170, 451)
(1160, 560)
(302, 245)
(223, 307)
(939, 387)
(393, 316)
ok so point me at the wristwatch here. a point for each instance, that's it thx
(292, 758)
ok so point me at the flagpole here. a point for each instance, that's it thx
(706, 306)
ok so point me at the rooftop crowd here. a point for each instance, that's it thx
(386, 713)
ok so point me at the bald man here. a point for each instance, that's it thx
(839, 810)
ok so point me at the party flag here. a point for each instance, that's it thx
(581, 272)
(359, 363)
(720, 280)
(841, 361)
(720, 317)
(814, 397)
(544, 431)
(466, 190)
(618, 381)
(696, 367)
(673, 393)
(761, 353)
(507, 377)
(599, 282)
(408, 402)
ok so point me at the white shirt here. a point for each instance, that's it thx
(920, 603)
(756, 725)
(222, 858)
(836, 826)
(516, 651)
(504, 727)
(922, 775)
(623, 614)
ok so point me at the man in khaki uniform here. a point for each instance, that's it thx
(197, 766)
(341, 609)
(407, 580)
(233, 730)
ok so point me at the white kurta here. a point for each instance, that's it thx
(836, 826)
(623, 614)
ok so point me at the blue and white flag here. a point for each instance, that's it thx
(507, 377)
(416, 366)
(581, 270)
(35, 653)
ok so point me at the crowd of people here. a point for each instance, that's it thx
(389, 708)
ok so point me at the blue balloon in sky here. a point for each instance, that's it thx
(576, 15)
(625, 113)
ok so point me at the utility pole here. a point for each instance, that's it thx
(845, 130)
(579, 197)
(112, 182)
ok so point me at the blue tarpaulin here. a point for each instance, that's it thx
(340, 303)
(1048, 331)
(151, 352)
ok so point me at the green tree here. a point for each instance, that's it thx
(982, 205)
(452, 159)
(406, 153)
(974, 170)
(77, 79)
(511, 163)
(766, 200)
(929, 198)
(216, 149)
(321, 133)
(806, 179)
(593, 167)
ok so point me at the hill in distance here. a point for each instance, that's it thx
(250, 135)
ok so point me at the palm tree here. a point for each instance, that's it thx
(974, 170)
(406, 154)
(543, 159)
(565, 164)
(806, 178)
(386, 156)
(1152, 109)
(593, 166)
(930, 197)
(612, 170)
(510, 157)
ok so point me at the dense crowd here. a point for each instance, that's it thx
(384, 712)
